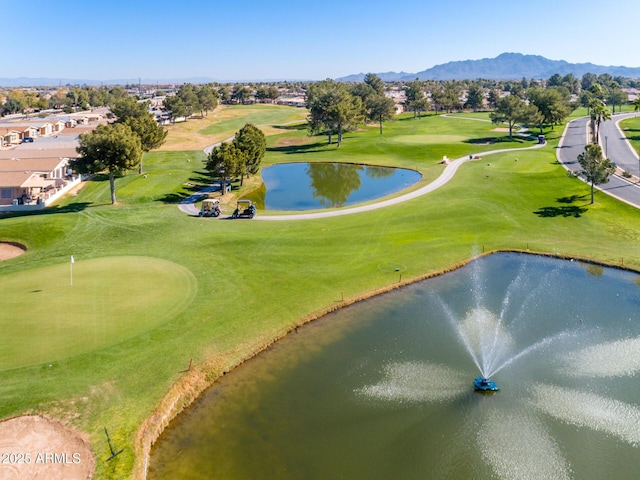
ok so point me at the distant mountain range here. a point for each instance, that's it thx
(507, 66)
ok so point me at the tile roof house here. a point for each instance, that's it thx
(27, 183)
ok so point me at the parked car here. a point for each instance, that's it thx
(27, 140)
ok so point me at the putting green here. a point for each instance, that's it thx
(45, 318)
(429, 139)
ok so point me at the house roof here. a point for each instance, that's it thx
(30, 124)
(6, 130)
(45, 165)
(14, 179)
(69, 152)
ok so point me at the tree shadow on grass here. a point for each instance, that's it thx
(295, 126)
(69, 208)
(307, 148)
(566, 210)
(174, 198)
(494, 140)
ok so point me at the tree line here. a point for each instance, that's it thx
(119, 146)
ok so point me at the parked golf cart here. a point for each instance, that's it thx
(244, 208)
(210, 207)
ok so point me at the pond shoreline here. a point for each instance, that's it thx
(188, 388)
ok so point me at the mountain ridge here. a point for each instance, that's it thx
(506, 66)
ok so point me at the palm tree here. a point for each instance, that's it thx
(598, 114)
(636, 103)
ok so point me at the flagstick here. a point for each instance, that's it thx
(71, 271)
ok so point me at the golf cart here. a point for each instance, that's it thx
(210, 207)
(244, 208)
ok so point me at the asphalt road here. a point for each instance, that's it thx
(618, 149)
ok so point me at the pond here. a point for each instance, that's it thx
(384, 389)
(311, 186)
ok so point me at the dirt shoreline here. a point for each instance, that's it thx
(190, 387)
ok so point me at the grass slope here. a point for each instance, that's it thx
(251, 281)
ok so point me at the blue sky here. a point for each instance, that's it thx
(282, 39)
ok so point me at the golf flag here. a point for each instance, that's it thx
(72, 259)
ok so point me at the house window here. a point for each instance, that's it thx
(6, 193)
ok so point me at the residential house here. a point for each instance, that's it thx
(33, 181)
(9, 136)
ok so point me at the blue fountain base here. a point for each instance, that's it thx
(481, 384)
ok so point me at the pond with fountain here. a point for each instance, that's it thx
(385, 388)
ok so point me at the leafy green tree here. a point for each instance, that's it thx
(531, 116)
(187, 94)
(240, 93)
(252, 143)
(380, 108)
(617, 97)
(636, 103)
(98, 97)
(554, 80)
(116, 93)
(207, 98)
(572, 83)
(332, 109)
(595, 169)
(492, 98)
(588, 79)
(375, 83)
(129, 107)
(12, 105)
(226, 161)
(510, 110)
(415, 98)
(451, 98)
(113, 147)
(475, 97)
(135, 114)
(223, 94)
(175, 106)
(551, 104)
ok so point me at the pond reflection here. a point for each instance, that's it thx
(307, 186)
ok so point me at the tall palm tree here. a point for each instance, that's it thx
(598, 114)
(636, 103)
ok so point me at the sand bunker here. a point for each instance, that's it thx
(10, 250)
(36, 447)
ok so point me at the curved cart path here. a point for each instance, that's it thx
(187, 205)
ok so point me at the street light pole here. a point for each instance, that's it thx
(606, 154)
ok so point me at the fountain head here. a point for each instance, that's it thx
(484, 384)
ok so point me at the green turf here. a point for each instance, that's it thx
(631, 128)
(252, 280)
(61, 315)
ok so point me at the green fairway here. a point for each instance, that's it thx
(216, 291)
(65, 310)
(631, 128)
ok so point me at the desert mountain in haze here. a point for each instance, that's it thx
(507, 66)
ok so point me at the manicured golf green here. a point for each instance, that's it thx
(250, 281)
(68, 309)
